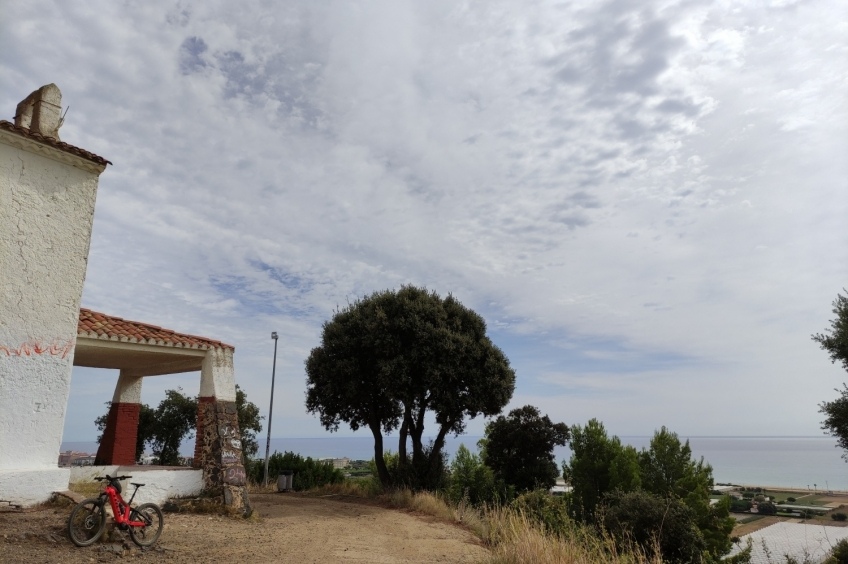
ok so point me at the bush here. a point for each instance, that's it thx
(308, 473)
(740, 505)
(654, 523)
(839, 554)
(790, 499)
(473, 481)
(766, 508)
(838, 516)
(549, 511)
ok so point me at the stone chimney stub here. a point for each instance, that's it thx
(41, 111)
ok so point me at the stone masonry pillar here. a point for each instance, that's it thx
(117, 446)
(218, 447)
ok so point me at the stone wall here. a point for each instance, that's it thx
(219, 446)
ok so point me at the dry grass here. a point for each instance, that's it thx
(517, 539)
(86, 489)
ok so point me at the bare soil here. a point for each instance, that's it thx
(290, 528)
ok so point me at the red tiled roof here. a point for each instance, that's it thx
(55, 143)
(96, 325)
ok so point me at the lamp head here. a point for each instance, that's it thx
(274, 335)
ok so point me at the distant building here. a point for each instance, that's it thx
(338, 462)
(73, 458)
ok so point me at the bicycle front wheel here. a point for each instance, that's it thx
(87, 522)
(151, 515)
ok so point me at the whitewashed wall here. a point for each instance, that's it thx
(46, 211)
(160, 484)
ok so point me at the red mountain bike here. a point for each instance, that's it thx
(88, 519)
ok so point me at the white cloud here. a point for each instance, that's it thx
(620, 183)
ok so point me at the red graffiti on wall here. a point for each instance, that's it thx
(59, 348)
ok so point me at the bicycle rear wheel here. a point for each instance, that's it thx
(152, 516)
(87, 522)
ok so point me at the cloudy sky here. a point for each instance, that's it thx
(646, 200)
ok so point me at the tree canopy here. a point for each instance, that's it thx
(835, 341)
(390, 358)
(519, 448)
(664, 475)
(599, 464)
(651, 522)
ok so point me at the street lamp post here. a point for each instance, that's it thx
(270, 409)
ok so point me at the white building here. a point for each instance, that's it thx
(47, 195)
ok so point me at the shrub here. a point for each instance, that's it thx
(473, 481)
(651, 523)
(839, 516)
(308, 473)
(549, 511)
(790, 499)
(740, 505)
(839, 553)
(766, 508)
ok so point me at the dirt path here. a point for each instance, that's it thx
(292, 528)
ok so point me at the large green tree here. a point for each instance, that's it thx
(389, 359)
(835, 341)
(519, 448)
(598, 465)
(602, 470)
(176, 418)
(668, 470)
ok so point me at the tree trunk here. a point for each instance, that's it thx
(416, 432)
(404, 432)
(379, 461)
(439, 444)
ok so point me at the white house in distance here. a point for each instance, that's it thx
(47, 195)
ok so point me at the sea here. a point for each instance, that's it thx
(813, 463)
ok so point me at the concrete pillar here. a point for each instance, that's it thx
(218, 448)
(117, 446)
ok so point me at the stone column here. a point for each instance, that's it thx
(119, 438)
(218, 447)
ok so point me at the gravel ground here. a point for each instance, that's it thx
(291, 528)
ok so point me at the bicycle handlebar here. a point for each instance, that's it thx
(110, 478)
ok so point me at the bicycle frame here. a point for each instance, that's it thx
(116, 501)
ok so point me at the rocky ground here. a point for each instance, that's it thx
(291, 528)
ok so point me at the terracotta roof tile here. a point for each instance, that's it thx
(93, 324)
(55, 143)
